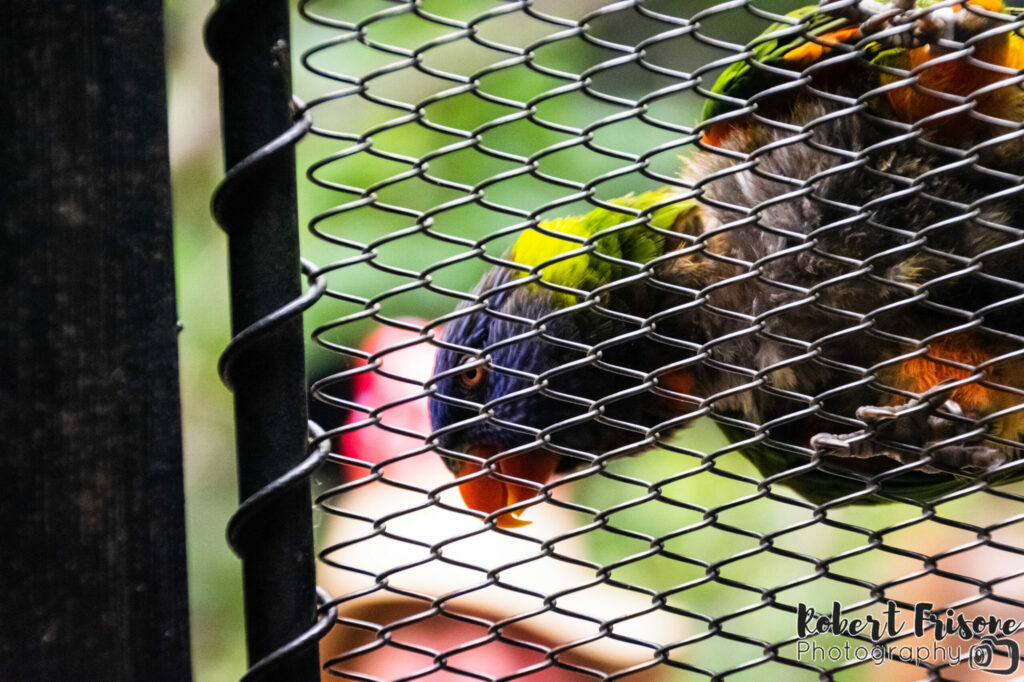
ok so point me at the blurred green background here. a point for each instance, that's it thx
(218, 647)
(417, 165)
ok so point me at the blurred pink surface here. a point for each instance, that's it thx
(373, 390)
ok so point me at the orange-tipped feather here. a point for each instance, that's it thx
(961, 78)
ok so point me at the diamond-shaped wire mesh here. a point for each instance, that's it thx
(821, 361)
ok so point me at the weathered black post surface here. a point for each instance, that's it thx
(92, 541)
(257, 207)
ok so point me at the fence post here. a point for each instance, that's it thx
(256, 205)
(93, 526)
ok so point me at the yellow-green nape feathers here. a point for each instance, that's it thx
(586, 269)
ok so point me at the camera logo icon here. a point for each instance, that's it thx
(982, 656)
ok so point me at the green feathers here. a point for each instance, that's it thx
(741, 79)
(806, 37)
(589, 251)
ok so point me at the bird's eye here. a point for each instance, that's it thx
(473, 376)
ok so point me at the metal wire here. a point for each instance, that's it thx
(441, 131)
(262, 364)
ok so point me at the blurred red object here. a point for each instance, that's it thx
(376, 389)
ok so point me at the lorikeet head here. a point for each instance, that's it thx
(542, 372)
(490, 399)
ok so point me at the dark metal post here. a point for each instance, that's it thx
(257, 207)
(92, 521)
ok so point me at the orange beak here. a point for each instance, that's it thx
(488, 494)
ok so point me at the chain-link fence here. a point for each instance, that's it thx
(663, 340)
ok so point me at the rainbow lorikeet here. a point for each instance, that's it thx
(949, 73)
(556, 349)
(849, 307)
(868, 313)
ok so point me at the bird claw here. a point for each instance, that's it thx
(970, 458)
(939, 399)
(926, 26)
(934, 26)
(915, 423)
(875, 413)
(829, 441)
(961, 458)
(842, 444)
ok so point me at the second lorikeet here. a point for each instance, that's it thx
(949, 73)
(868, 314)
